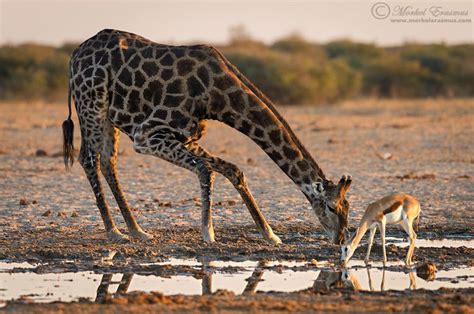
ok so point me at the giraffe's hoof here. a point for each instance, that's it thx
(274, 239)
(115, 236)
(141, 235)
(208, 237)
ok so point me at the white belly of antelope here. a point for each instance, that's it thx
(396, 216)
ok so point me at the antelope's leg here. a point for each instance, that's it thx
(382, 284)
(371, 287)
(412, 280)
(408, 227)
(382, 235)
(371, 241)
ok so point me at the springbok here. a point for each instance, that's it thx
(397, 208)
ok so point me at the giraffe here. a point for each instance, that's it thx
(161, 96)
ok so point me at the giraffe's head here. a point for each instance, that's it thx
(332, 207)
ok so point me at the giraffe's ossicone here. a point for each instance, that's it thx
(161, 97)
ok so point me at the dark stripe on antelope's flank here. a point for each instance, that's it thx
(392, 208)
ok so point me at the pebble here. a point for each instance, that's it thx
(41, 153)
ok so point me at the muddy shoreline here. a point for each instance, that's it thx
(300, 243)
(445, 301)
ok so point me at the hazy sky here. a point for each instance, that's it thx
(57, 21)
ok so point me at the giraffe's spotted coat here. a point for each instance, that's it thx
(161, 97)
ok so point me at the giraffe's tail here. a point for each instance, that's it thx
(68, 131)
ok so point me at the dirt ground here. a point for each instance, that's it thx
(425, 148)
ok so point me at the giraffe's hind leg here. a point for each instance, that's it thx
(236, 177)
(108, 162)
(207, 184)
(89, 159)
(164, 144)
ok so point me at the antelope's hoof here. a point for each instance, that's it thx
(141, 235)
(115, 236)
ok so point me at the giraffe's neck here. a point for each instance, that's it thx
(270, 131)
(278, 141)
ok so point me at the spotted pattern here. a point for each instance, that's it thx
(161, 97)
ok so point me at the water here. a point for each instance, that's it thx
(431, 243)
(250, 277)
(253, 277)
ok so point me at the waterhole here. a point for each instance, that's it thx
(249, 278)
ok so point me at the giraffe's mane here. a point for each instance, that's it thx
(272, 108)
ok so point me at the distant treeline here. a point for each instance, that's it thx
(290, 71)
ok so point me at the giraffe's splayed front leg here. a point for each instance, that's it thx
(208, 234)
(273, 238)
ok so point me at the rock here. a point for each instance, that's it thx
(250, 161)
(34, 202)
(426, 271)
(224, 293)
(62, 214)
(384, 155)
(231, 203)
(24, 201)
(47, 213)
(41, 153)
(74, 215)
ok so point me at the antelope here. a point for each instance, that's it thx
(397, 208)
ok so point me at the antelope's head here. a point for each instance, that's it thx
(332, 207)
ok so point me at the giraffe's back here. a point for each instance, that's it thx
(143, 82)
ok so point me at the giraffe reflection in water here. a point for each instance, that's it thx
(327, 280)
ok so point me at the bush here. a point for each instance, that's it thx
(291, 70)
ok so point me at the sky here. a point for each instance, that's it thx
(384, 23)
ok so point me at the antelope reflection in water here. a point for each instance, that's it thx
(326, 280)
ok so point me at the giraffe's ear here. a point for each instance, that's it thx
(344, 184)
(348, 183)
